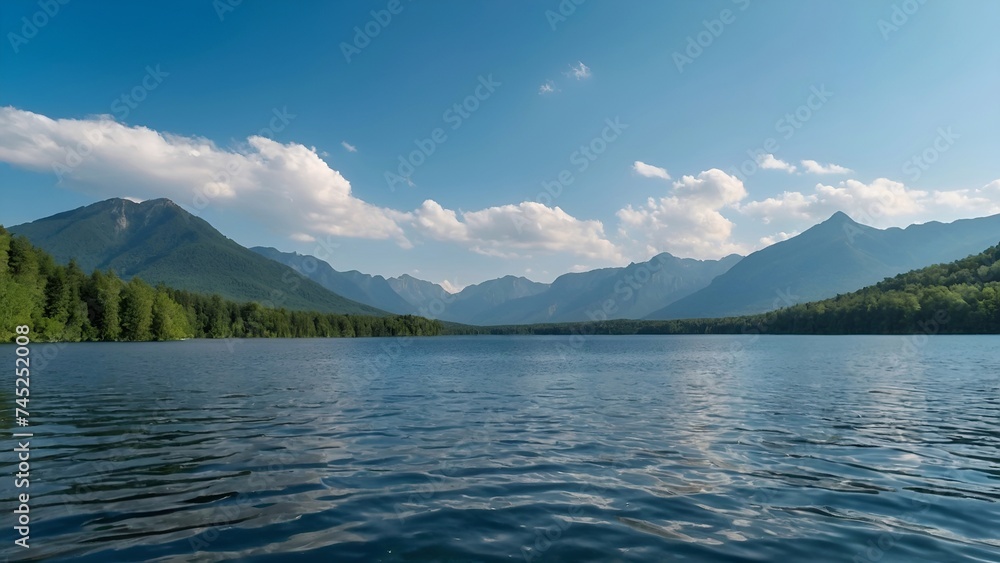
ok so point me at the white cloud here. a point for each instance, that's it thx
(814, 167)
(287, 185)
(579, 71)
(777, 237)
(967, 202)
(348, 146)
(450, 287)
(650, 171)
(547, 88)
(302, 237)
(881, 199)
(439, 223)
(770, 162)
(881, 203)
(510, 230)
(788, 205)
(688, 222)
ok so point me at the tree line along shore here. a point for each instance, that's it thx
(64, 303)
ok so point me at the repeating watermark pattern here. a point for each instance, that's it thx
(454, 116)
(914, 167)
(919, 163)
(546, 536)
(203, 195)
(122, 107)
(31, 26)
(479, 435)
(782, 298)
(224, 7)
(365, 34)
(374, 367)
(224, 515)
(900, 16)
(563, 11)
(124, 104)
(582, 158)
(876, 549)
(624, 290)
(787, 125)
(696, 44)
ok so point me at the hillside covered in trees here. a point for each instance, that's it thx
(961, 297)
(64, 303)
(160, 242)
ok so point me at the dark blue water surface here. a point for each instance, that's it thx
(656, 448)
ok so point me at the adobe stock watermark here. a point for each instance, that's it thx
(900, 16)
(323, 251)
(224, 515)
(919, 163)
(47, 10)
(455, 116)
(582, 158)
(204, 194)
(124, 104)
(563, 11)
(787, 126)
(122, 107)
(696, 44)
(782, 298)
(478, 434)
(876, 549)
(546, 536)
(223, 7)
(365, 34)
(624, 290)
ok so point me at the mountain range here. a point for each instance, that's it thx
(836, 256)
(161, 243)
(613, 293)
(353, 285)
(630, 292)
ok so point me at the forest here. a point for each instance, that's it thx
(64, 303)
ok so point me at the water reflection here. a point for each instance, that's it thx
(629, 449)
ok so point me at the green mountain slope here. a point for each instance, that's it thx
(161, 243)
(48, 302)
(957, 297)
(836, 256)
(363, 288)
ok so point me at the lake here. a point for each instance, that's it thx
(632, 448)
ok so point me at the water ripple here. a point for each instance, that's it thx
(500, 449)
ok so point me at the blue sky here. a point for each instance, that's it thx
(707, 127)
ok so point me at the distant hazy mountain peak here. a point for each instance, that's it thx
(373, 291)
